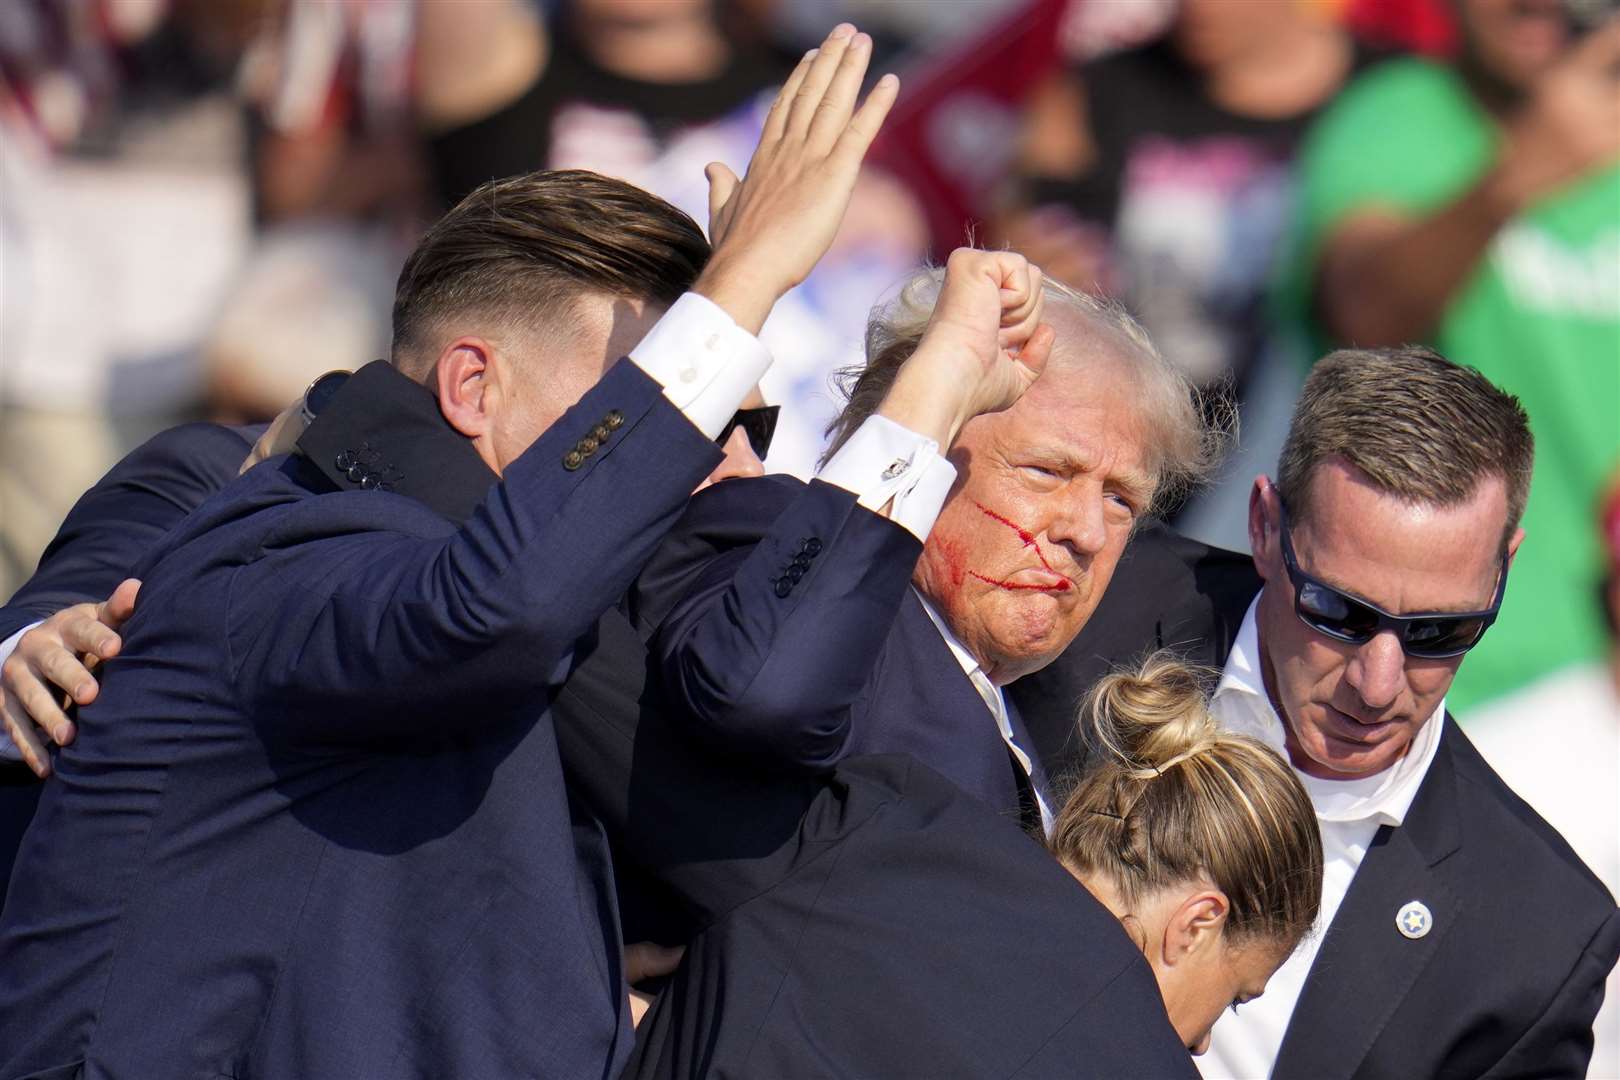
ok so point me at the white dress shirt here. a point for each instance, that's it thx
(1245, 1044)
(707, 365)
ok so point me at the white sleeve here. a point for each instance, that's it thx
(884, 460)
(706, 362)
(8, 749)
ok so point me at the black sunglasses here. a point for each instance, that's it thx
(1430, 635)
(759, 424)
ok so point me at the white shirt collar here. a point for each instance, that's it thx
(1242, 705)
(970, 665)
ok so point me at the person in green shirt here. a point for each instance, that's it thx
(1476, 206)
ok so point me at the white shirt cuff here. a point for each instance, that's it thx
(8, 749)
(884, 460)
(705, 361)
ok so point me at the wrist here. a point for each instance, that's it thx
(931, 399)
(741, 291)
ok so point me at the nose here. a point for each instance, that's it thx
(1080, 526)
(1377, 671)
(740, 460)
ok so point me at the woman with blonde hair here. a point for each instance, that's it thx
(878, 922)
(1201, 842)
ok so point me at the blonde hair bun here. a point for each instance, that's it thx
(1169, 798)
(1151, 719)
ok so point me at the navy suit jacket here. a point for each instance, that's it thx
(315, 825)
(879, 922)
(788, 635)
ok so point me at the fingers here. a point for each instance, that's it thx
(868, 120)
(24, 734)
(833, 113)
(802, 109)
(1034, 353)
(776, 119)
(722, 184)
(119, 606)
(63, 670)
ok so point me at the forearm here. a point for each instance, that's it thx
(391, 630)
(774, 644)
(1386, 279)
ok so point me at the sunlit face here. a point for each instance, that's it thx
(1209, 981)
(540, 376)
(1045, 498)
(1513, 41)
(1353, 710)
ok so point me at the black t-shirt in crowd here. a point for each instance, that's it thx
(577, 103)
(1196, 199)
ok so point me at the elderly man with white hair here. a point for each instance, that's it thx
(798, 624)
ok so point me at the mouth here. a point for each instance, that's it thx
(1347, 728)
(1033, 581)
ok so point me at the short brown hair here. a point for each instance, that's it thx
(1169, 797)
(1418, 426)
(1185, 440)
(523, 248)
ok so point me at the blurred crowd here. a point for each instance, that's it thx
(204, 205)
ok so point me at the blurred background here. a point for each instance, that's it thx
(204, 203)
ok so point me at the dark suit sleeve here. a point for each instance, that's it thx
(775, 642)
(1559, 1043)
(376, 634)
(124, 514)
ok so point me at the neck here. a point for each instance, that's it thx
(681, 48)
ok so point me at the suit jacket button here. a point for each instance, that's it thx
(345, 461)
(614, 420)
(588, 445)
(783, 587)
(368, 481)
(801, 563)
(794, 573)
(812, 547)
(356, 473)
(573, 460)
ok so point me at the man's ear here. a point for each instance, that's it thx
(464, 382)
(1513, 544)
(1265, 518)
(1195, 925)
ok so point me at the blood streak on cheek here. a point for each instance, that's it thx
(1028, 540)
(1061, 585)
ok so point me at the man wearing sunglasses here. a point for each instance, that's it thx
(1459, 935)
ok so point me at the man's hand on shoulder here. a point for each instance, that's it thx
(772, 227)
(984, 346)
(54, 659)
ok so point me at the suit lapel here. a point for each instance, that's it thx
(1366, 966)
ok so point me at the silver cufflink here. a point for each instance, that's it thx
(896, 468)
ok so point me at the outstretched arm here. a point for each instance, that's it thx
(1386, 277)
(494, 609)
